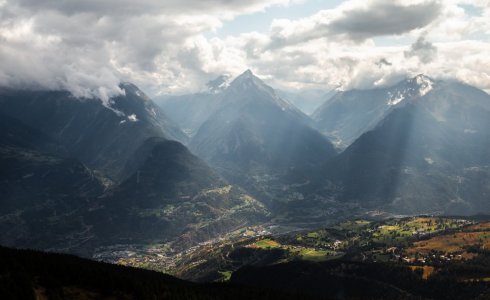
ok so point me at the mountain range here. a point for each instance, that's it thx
(348, 114)
(101, 136)
(254, 137)
(429, 152)
(79, 173)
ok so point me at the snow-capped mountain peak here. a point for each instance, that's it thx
(415, 87)
(424, 83)
(247, 79)
(247, 82)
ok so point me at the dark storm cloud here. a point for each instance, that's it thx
(356, 22)
(131, 7)
(382, 18)
(383, 62)
(424, 50)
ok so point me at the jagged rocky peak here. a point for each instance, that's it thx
(246, 76)
(415, 87)
(424, 83)
(218, 84)
(248, 80)
(248, 73)
(249, 84)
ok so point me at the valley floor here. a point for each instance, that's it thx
(431, 247)
(362, 258)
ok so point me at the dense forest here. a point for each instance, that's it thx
(344, 279)
(28, 274)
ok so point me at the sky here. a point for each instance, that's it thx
(175, 46)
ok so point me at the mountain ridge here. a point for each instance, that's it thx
(100, 137)
(423, 156)
(255, 136)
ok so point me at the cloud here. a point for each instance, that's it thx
(88, 47)
(148, 7)
(383, 62)
(311, 52)
(422, 49)
(384, 18)
(356, 21)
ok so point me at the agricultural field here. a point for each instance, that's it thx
(452, 243)
(265, 244)
(426, 245)
(311, 254)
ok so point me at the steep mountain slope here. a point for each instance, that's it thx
(171, 194)
(42, 194)
(100, 136)
(347, 115)
(428, 155)
(255, 136)
(51, 200)
(14, 133)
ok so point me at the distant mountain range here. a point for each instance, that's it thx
(190, 111)
(81, 173)
(424, 148)
(347, 115)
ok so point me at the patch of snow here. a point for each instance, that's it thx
(122, 122)
(425, 84)
(152, 112)
(429, 160)
(413, 88)
(471, 131)
(133, 118)
(396, 100)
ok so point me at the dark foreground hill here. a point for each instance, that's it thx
(343, 279)
(26, 274)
